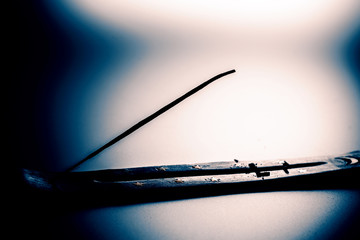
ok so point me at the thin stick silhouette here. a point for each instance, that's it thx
(148, 119)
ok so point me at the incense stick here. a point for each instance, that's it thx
(148, 119)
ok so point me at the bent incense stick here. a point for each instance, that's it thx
(149, 118)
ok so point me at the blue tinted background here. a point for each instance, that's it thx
(52, 55)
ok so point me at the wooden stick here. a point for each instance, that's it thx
(149, 118)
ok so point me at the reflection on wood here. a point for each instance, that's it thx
(132, 185)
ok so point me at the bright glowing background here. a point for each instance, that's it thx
(290, 97)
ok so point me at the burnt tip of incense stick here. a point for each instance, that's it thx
(224, 74)
(150, 118)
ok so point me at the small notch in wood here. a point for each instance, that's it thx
(285, 166)
(254, 168)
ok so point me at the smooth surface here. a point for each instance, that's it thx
(277, 215)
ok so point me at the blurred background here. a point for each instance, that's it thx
(88, 70)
